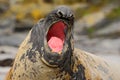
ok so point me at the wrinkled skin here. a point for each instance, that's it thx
(36, 61)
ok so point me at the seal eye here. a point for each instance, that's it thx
(60, 13)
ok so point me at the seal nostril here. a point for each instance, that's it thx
(71, 15)
(60, 13)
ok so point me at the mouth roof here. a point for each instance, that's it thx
(56, 36)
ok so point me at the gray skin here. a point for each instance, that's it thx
(36, 61)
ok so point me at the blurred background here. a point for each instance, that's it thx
(97, 26)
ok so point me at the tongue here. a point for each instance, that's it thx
(56, 44)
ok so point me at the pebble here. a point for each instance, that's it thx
(111, 30)
(14, 39)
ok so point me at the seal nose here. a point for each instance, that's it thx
(60, 13)
(63, 14)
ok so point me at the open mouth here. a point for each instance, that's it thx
(56, 36)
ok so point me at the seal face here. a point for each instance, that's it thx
(53, 36)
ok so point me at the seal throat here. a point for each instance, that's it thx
(56, 36)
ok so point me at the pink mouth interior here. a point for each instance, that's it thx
(56, 36)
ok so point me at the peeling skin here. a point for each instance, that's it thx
(34, 60)
(95, 67)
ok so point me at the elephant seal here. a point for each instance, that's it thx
(48, 53)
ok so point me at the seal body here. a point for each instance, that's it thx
(29, 66)
(37, 60)
(86, 67)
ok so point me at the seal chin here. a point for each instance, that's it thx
(47, 63)
(56, 36)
